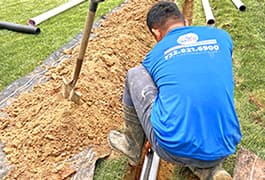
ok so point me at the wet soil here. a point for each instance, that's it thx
(43, 129)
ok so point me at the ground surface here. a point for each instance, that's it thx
(249, 166)
(44, 129)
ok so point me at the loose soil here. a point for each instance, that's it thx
(44, 129)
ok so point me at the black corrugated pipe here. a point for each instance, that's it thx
(19, 28)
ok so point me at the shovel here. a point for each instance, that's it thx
(69, 88)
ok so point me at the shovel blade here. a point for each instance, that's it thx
(75, 96)
(70, 93)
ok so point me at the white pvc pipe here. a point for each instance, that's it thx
(154, 167)
(43, 17)
(210, 20)
(239, 5)
(151, 164)
(144, 167)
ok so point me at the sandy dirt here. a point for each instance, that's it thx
(44, 129)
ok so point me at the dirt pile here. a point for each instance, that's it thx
(44, 129)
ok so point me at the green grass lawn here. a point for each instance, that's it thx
(249, 54)
(246, 29)
(21, 53)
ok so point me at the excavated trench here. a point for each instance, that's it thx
(40, 129)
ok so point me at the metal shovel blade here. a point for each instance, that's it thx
(70, 93)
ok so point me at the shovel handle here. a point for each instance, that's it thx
(85, 37)
(94, 4)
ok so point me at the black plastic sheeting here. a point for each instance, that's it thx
(4, 166)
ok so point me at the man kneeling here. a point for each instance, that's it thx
(181, 98)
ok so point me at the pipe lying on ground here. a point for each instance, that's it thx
(43, 17)
(150, 166)
(19, 28)
(210, 20)
(240, 6)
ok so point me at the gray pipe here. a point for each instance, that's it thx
(19, 28)
(43, 17)
(240, 6)
(210, 20)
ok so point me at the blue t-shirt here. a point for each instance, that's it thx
(193, 114)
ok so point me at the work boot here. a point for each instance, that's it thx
(221, 174)
(215, 173)
(131, 141)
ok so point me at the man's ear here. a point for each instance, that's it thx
(157, 33)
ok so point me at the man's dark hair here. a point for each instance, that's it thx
(161, 12)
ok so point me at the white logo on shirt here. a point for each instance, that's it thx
(189, 38)
(189, 44)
